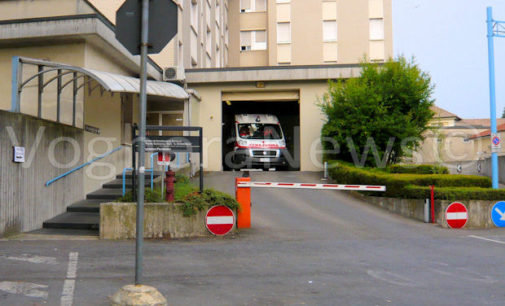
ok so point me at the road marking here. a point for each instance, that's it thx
(34, 259)
(391, 278)
(27, 289)
(486, 239)
(67, 295)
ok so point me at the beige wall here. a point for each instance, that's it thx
(210, 117)
(42, 8)
(306, 33)
(70, 53)
(103, 112)
(450, 145)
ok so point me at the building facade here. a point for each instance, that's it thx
(309, 32)
(69, 85)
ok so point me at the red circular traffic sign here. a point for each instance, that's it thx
(220, 220)
(456, 215)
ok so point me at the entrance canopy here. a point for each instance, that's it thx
(80, 77)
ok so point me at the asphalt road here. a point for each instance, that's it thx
(305, 248)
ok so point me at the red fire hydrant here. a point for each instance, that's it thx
(169, 185)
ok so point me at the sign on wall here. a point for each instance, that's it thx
(19, 154)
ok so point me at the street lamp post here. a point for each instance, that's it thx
(494, 29)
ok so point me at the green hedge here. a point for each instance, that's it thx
(418, 169)
(455, 193)
(396, 183)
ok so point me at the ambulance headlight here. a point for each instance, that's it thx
(282, 143)
(242, 143)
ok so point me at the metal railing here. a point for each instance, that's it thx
(82, 166)
(165, 168)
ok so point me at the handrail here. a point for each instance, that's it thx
(147, 170)
(82, 166)
(124, 180)
(131, 169)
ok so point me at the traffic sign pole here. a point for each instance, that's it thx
(144, 34)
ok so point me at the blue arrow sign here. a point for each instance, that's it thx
(498, 214)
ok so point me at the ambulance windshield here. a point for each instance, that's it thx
(259, 131)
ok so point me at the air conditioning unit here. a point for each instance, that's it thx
(174, 74)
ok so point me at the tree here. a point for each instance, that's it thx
(385, 110)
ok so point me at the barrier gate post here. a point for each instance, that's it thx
(243, 196)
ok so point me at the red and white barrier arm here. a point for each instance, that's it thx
(311, 186)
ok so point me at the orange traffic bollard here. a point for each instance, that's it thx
(243, 196)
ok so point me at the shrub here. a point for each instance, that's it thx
(396, 183)
(188, 195)
(418, 169)
(455, 193)
(195, 201)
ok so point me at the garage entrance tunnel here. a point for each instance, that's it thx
(259, 151)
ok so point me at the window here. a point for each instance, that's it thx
(218, 13)
(207, 15)
(208, 42)
(329, 31)
(247, 6)
(216, 37)
(376, 29)
(194, 15)
(253, 40)
(283, 32)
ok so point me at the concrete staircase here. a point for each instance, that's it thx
(85, 214)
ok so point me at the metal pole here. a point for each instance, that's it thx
(41, 90)
(16, 80)
(492, 95)
(142, 134)
(201, 159)
(58, 96)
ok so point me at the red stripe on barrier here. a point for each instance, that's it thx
(308, 185)
(263, 184)
(349, 186)
(373, 187)
(283, 184)
(326, 185)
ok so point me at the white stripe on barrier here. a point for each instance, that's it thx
(311, 186)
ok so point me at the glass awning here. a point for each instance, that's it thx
(63, 75)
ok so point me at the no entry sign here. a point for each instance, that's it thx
(220, 220)
(456, 215)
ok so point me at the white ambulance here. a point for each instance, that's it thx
(259, 142)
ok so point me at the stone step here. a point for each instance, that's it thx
(107, 194)
(74, 220)
(118, 184)
(86, 206)
(147, 176)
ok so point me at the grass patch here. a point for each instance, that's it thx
(150, 196)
